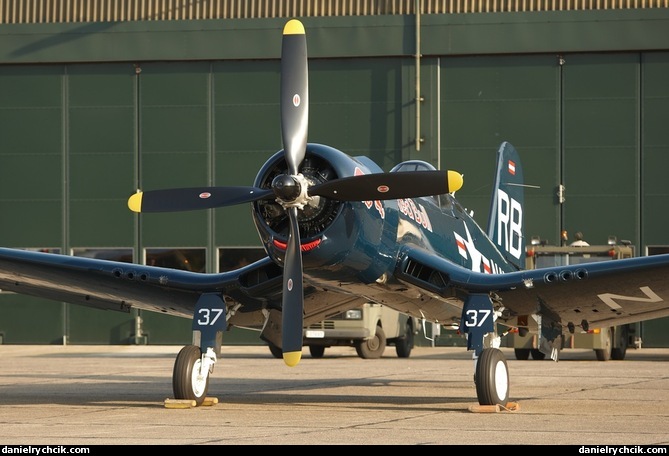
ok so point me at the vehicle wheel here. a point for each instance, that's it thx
(522, 353)
(372, 348)
(492, 378)
(621, 334)
(276, 351)
(537, 354)
(188, 382)
(316, 351)
(604, 354)
(404, 343)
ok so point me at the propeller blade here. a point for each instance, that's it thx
(294, 94)
(293, 295)
(385, 186)
(294, 120)
(190, 199)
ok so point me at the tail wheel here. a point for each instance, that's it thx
(372, 348)
(492, 378)
(189, 381)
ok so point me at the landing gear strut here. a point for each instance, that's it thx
(190, 376)
(491, 373)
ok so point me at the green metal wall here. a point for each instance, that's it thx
(487, 100)
(118, 127)
(79, 137)
(601, 145)
(591, 122)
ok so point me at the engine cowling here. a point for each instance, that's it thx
(335, 236)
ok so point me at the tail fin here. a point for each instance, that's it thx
(505, 221)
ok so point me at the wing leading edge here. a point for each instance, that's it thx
(601, 294)
(121, 286)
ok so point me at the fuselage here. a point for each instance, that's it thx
(354, 247)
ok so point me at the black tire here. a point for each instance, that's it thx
(621, 334)
(537, 354)
(522, 354)
(276, 351)
(618, 353)
(372, 348)
(492, 378)
(316, 351)
(404, 343)
(604, 354)
(187, 383)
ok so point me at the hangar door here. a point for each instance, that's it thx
(601, 147)
(577, 121)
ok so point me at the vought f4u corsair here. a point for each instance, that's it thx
(339, 232)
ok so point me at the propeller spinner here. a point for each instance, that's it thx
(292, 190)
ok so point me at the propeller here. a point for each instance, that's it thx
(292, 190)
(367, 187)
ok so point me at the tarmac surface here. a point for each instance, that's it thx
(115, 395)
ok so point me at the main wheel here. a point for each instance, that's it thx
(522, 354)
(404, 343)
(372, 348)
(316, 351)
(188, 379)
(492, 378)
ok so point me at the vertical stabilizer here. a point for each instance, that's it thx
(505, 221)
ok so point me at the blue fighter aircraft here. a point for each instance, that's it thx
(339, 232)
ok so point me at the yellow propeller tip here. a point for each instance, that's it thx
(135, 202)
(455, 181)
(293, 27)
(292, 358)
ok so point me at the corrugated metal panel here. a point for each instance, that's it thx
(64, 11)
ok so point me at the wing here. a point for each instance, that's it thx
(121, 286)
(250, 292)
(600, 294)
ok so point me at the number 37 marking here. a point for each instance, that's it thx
(208, 317)
(476, 318)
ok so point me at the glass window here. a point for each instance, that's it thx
(549, 261)
(588, 258)
(43, 249)
(413, 165)
(230, 258)
(187, 259)
(123, 254)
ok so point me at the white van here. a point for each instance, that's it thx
(370, 329)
